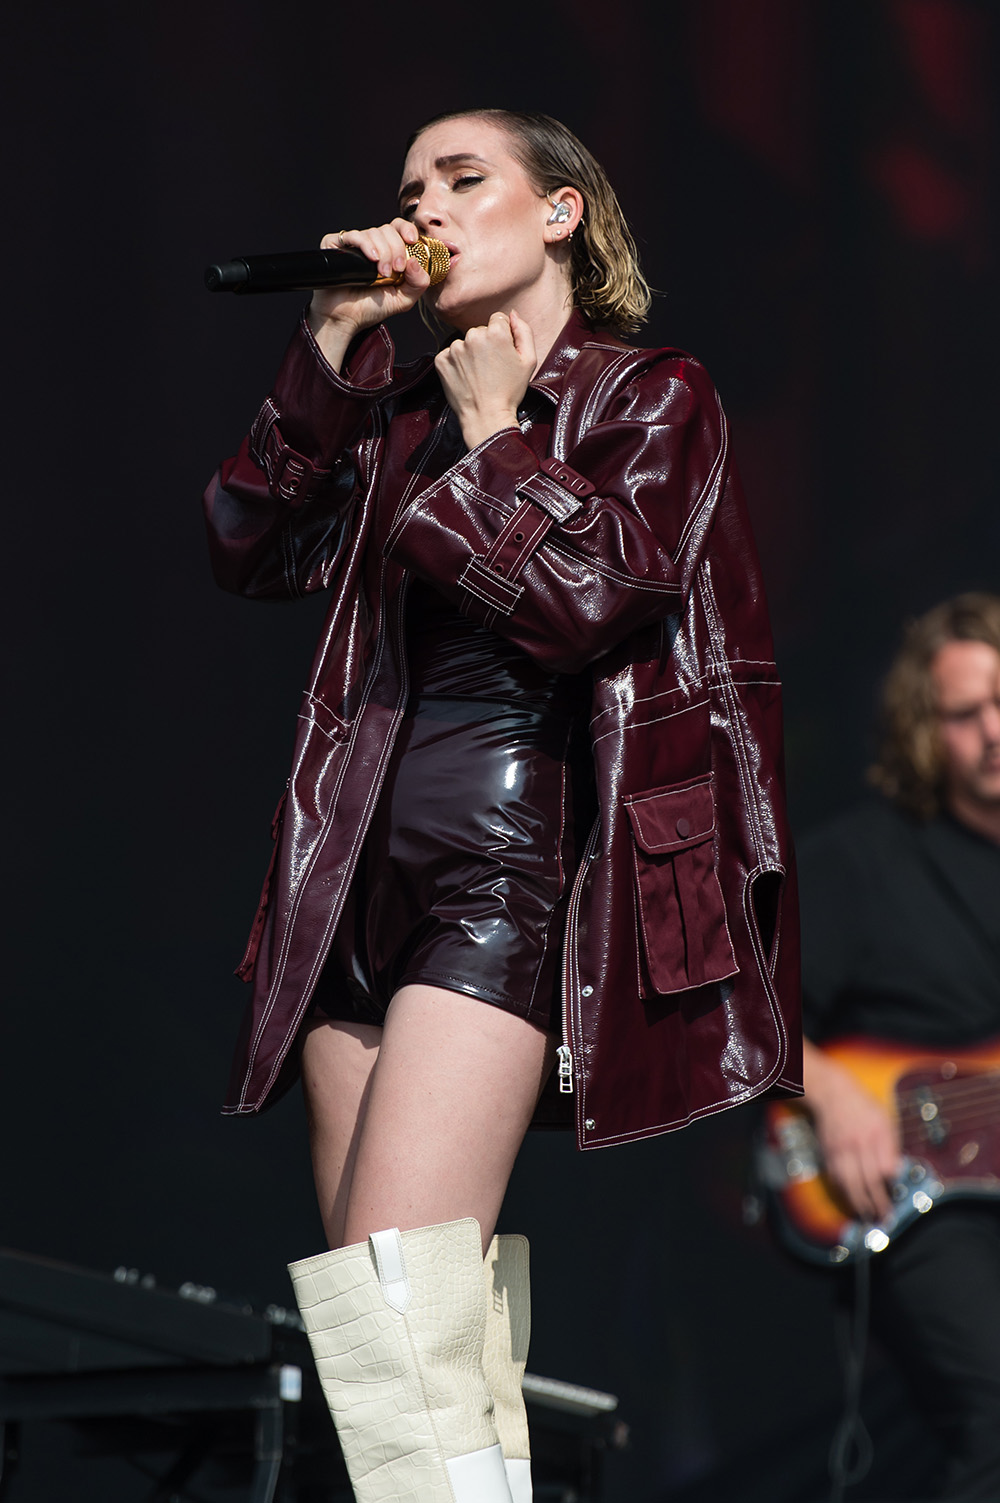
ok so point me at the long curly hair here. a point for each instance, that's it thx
(909, 768)
(608, 285)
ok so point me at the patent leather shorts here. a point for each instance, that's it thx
(466, 868)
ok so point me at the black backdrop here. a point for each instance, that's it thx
(813, 186)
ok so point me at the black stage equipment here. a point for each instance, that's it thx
(206, 1380)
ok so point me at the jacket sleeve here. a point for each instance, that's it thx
(278, 513)
(568, 558)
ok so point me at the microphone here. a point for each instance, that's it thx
(301, 271)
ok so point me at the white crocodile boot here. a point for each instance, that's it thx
(397, 1326)
(508, 1331)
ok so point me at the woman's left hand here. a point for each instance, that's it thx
(486, 374)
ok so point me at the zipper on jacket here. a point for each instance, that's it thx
(565, 1070)
(564, 1053)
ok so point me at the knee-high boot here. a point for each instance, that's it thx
(508, 1330)
(397, 1326)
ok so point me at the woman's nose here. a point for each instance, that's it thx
(430, 215)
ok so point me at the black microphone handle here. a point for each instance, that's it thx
(292, 271)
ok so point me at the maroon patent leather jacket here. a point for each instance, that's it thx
(609, 531)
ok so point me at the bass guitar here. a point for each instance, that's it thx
(948, 1109)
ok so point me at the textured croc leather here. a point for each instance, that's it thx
(406, 1388)
(505, 1352)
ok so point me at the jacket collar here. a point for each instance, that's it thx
(575, 335)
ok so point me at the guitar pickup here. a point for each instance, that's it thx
(936, 1127)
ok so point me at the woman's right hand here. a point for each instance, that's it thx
(337, 314)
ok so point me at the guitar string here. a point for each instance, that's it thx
(965, 1122)
(985, 1104)
(969, 1113)
(989, 1081)
(958, 1082)
(970, 1095)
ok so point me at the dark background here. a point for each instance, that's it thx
(814, 188)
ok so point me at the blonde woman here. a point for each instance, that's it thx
(532, 858)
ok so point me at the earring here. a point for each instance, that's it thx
(560, 212)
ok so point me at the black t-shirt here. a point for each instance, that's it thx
(900, 929)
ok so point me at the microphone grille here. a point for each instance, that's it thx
(433, 257)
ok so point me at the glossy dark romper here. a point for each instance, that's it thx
(467, 865)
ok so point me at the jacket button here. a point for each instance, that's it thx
(586, 991)
(683, 828)
(590, 1124)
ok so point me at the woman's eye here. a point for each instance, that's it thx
(470, 180)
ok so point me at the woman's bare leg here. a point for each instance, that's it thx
(450, 1101)
(337, 1064)
(421, 1125)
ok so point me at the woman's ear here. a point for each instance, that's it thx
(565, 207)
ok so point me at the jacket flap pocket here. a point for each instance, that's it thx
(680, 910)
(666, 820)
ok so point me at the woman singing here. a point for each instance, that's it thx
(531, 860)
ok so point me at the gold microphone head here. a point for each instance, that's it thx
(433, 257)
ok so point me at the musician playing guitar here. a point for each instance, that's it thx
(901, 944)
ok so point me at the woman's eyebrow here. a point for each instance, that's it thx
(440, 164)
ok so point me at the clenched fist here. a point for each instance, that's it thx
(486, 374)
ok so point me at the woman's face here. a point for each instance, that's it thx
(462, 186)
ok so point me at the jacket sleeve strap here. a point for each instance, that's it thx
(557, 489)
(547, 497)
(290, 475)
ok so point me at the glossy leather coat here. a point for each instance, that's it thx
(608, 533)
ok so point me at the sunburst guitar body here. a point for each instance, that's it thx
(948, 1108)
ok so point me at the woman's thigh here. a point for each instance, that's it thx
(443, 1112)
(338, 1059)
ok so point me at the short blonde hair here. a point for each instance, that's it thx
(909, 768)
(608, 285)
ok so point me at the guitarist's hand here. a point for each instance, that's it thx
(858, 1138)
